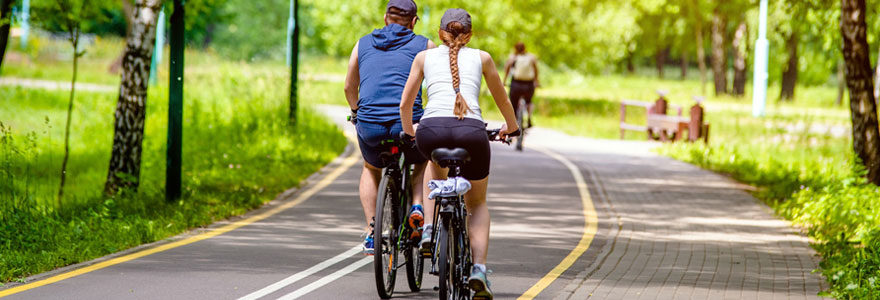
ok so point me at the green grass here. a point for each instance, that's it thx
(238, 153)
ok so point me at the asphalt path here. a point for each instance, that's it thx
(305, 244)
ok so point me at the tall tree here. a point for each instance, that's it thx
(877, 77)
(661, 56)
(856, 53)
(698, 30)
(790, 75)
(719, 53)
(5, 21)
(740, 52)
(125, 161)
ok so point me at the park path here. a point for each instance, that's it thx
(666, 230)
(674, 231)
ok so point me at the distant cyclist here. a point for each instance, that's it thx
(453, 118)
(524, 66)
(377, 71)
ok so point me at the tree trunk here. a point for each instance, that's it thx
(740, 52)
(661, 61)
(877, 78)
(701, 54)
(128, 11)
(125, 161)
(841, 82)
(719, 55)
(74, 41)
(789, 76)
(856, 53)
(5, 20)
(630, 67)
(684, 64)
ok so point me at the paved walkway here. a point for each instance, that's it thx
(670, 230)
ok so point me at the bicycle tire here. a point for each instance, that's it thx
(520, 115)
(415, 263)
(415, 268)
(445, 262)
(385, 244)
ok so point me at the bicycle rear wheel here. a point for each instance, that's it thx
(415, 266)
(385, 233)
(520, 115)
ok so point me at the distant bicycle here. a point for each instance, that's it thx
(520, 115)
(392, 237)
(452, 259)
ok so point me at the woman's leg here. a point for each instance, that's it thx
(432, 172)
(478, 221)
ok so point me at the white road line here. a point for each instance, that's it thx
(327, 279)
(299, 276)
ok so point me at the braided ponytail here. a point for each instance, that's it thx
(455, 39)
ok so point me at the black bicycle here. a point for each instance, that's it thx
(391, 234)
(452, 259)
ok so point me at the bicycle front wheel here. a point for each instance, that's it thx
(385, 232)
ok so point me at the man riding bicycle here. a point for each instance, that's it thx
(377, 71)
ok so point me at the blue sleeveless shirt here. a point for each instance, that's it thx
(385, 58)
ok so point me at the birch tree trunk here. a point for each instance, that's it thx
(877, 78)
(125, 161)
(719, 55)
(740, 52)
(856, 53)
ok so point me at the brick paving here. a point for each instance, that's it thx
(681, 232)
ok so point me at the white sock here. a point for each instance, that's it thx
(428, 228)
(481, 267)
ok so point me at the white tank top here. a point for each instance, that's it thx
(438, 78)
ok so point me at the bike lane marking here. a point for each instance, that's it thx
(299, 276)
(591, 223)
(327, 279)
(347, 163)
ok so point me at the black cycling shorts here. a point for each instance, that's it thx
(450, 132)
(521, 89)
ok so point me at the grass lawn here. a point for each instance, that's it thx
(238, 153)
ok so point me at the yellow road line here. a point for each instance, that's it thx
(347, 163)
(591, 223)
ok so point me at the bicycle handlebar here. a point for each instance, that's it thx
(494, 135)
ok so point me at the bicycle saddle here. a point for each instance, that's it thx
(445, 156)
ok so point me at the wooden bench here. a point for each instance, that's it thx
(663, 127)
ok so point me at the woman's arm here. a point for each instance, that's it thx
(352, 79)
(407, 100)
(496, 87)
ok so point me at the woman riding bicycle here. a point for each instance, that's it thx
(452, 119)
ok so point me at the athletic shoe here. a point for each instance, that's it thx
(480, 285)
(425, 246)
(416, 221)
(368, 244)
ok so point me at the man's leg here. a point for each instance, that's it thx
(368, 190)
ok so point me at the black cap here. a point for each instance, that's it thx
(456, 15)
(406, 7)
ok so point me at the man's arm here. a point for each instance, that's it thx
(352, 79)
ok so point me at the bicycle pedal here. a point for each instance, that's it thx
(436, 288)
